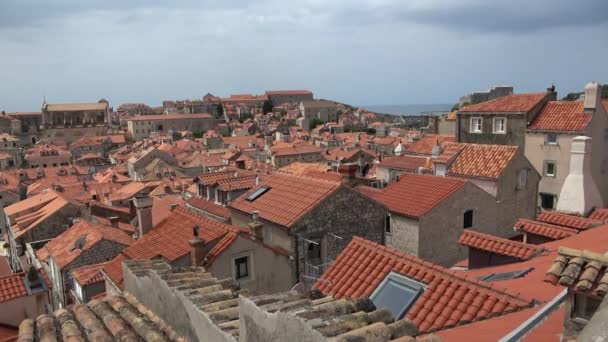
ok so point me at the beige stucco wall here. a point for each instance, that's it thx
(14, 311)
(279, 236)
(269, 272)
(537, 152)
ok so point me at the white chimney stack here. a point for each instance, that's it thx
(579, 193)
(593, 98)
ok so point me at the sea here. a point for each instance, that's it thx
(408, 109)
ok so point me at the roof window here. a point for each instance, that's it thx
(257, 193)
(506, 275)
(397, 294)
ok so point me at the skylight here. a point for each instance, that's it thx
(257, 193)
(506, 275)
(397, 294)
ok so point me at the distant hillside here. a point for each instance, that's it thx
(576, 96)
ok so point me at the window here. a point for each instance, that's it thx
(551, 139)
(241, 267)
(522, 178)
(506, 275)
(468, 219)
(313, 251)
(500, 125)
(397, 294)
(475, 125)
(547, 201)
(257, 193)
(584, 306)
(387, 227)
(550, 169)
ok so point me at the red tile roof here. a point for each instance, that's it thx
(405, 162)
(288, 198)
(8, 334)
(425, 144)
(497, 245)
(12, 287)
(297, 149)
(113, 269)
(515, 103)
(368, 191)
(478, 160)
(551, 231)
(571, 221)
(238, 183)
(169, 240)
(562, 116)
(599, 214)
(449, 299)
(209, 207)
(170, 117)
(89, 274)
(414, 195)
(62, 248)
(586, 272)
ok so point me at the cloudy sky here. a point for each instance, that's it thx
(360, 52)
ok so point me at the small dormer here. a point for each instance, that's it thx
(61, 171)
(39, 172)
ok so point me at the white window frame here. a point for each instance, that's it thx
(547, 142)
(480, 124)
(546, 168)
(504, 126)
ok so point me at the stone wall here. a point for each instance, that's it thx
(345, 213)
(404, 234)
(257, 325)
(515, 135)
(441, 227)
(172, 305)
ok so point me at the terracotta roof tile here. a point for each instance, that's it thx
(515, 103)
(295, 150)
(209, 207)
(425, 144)
(448, 300)
(237, 183)
(169, 239)
(583, 271)
(88, 274)
(287, 199)
(170, 117)
(414, 195)
(12, 287)
(599, 214)
(551, 231)
(571, 221)
(405, 162)
(478, 160)
(28, 213)
(498, 245)
(65, 249)
(562, 116)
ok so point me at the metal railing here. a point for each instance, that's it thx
(315, 272)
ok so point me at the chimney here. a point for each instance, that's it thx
(257, 180)
(579, 193)
(197, 246)
(256, 226)
(113, 221)
(143, 206)
(593, 98)
(437, 150)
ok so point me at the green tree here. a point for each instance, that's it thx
(219, 110)
(267, 107)
(455, 107)
(315, 122)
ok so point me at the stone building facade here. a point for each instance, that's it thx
(141, 127)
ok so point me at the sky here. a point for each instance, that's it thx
(368, 52)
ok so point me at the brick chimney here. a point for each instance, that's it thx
(579, 193)
(256, 226)
(197, 246)
(593, 98)
(113, 221)
(143, 207)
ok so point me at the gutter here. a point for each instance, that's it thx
(538, 318)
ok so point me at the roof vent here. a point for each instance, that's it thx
(79, 243)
